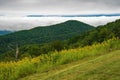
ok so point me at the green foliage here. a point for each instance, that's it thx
(56, 52)
(97, 35)
(14, 70)
(57, 45)
(104, 67)
(44, 34)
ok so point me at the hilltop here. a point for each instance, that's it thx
(90, 37)
(44, 34)
(98, 35)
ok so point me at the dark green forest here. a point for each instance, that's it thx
(40, 35)
(98, 35)
(44, 40)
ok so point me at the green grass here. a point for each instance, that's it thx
(104, 67)
(50, 65)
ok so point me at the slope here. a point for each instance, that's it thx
(44, 63)
(44, 34)
(98, 35)
(105, 67)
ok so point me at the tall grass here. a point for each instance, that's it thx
(14, 70)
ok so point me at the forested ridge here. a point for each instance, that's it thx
(93, 36)
(43, 34)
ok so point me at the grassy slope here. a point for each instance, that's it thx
(105, 67)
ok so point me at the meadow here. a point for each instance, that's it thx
(17, 69)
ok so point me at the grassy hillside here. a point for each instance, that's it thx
(44, 34)
(105, 67)
(14, 70)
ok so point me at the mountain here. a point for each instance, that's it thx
(44, 34)
(98, 35)
(79, 15)
(3, 32)
(102, 57)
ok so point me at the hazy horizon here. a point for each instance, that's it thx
(13, 12)
(23, 23)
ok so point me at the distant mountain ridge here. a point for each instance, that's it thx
(44, 34)
(3, 32)
(79, 15)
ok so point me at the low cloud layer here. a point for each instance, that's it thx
(21, 23)
(11, 10)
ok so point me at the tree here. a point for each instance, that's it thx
(57, 45)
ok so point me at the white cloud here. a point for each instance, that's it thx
(21, 23)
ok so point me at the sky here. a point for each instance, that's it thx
(25, 7)
(13, 12)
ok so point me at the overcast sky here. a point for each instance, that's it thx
(12, 12)
(25, 7)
